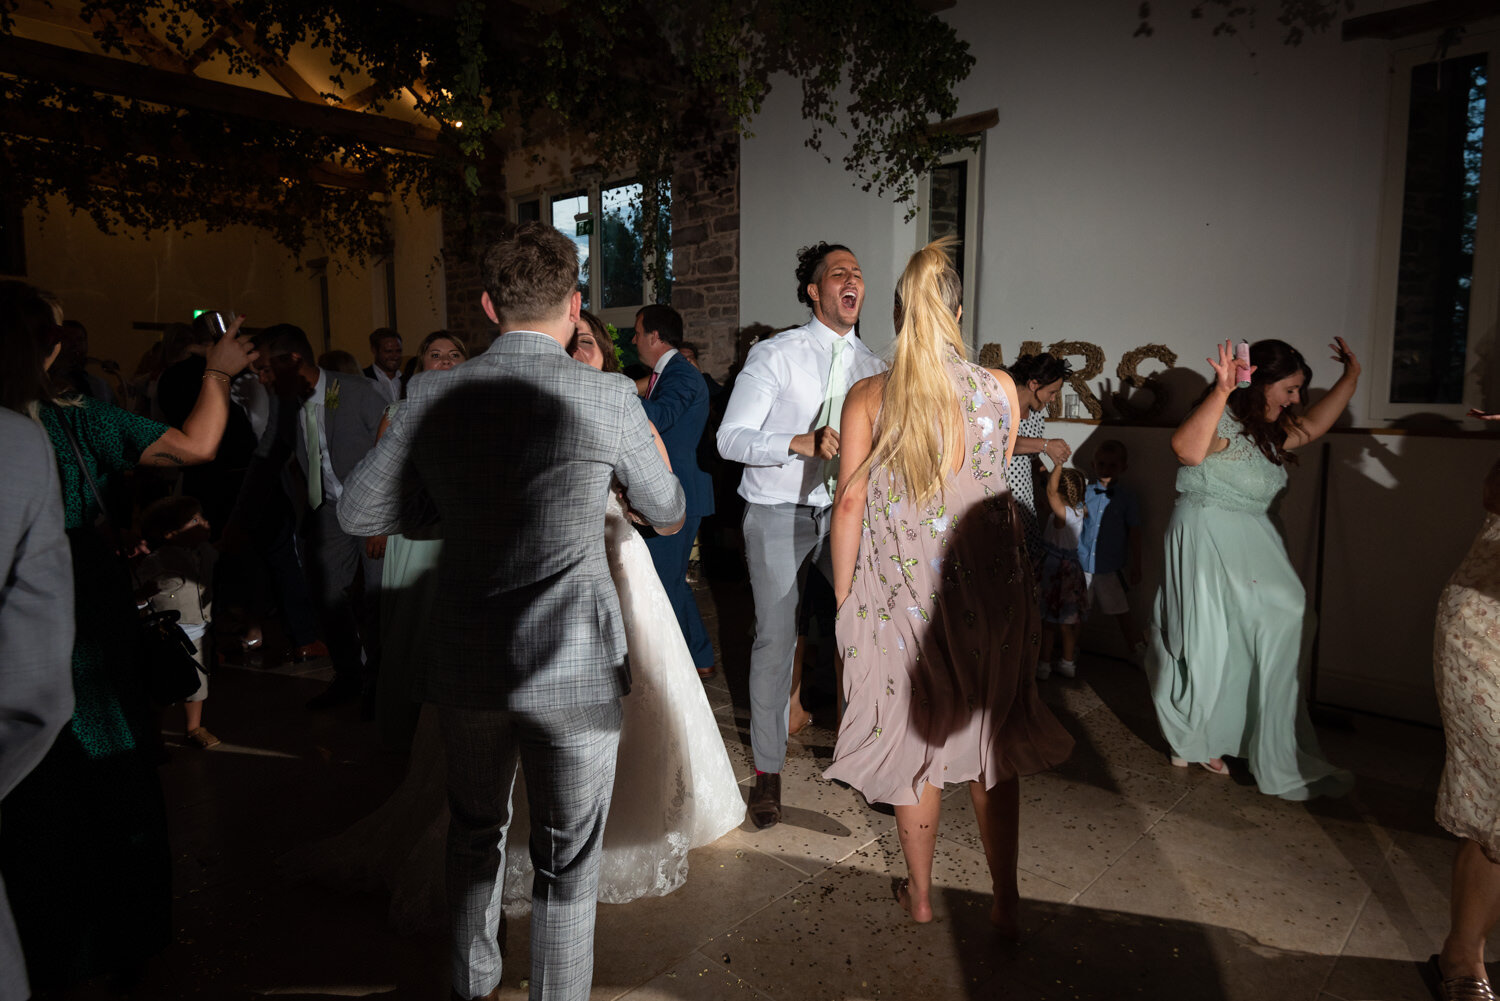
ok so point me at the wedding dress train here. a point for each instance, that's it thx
(674, 787)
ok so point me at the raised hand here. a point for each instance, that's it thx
(231, 353)
(1226, 376)
(1344, 356)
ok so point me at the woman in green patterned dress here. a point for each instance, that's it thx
(1230, 625)
(83, 849)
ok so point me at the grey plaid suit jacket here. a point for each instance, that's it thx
(36, 630)
(514, 451)
(350, 427)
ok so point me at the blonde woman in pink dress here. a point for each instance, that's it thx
(938, 618)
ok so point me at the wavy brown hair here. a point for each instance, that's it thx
(1273, 360)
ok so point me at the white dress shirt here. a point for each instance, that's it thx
(776, 397)
(389, 387)
(332, 488)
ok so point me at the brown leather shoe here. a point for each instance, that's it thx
(765, 799)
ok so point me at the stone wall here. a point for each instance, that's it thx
(465, 283)
(706, 254)
(705, 258)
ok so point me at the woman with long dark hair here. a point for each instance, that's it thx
(83, 848)
(1230, 625)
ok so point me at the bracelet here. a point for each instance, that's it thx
(217, 375)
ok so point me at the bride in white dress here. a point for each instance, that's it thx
(674, 786)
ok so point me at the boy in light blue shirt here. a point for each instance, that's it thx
(1109, 547)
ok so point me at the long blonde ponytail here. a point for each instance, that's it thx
(920, 428)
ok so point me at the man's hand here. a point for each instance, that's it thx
(375, 547)
(820, 444)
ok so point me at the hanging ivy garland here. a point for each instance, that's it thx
(638, 83)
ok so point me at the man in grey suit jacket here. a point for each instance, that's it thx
(514, 452)
(36, 631)
(331, 421)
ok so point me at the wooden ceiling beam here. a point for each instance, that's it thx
(361, 98)
(152, 50)
(210, 45)
(1419, 18)
(56, 64)
(277, 68)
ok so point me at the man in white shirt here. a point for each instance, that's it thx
(385, 370)
(782, 424)
(330, 422)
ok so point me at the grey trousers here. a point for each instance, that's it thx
(568, 758)
(779, 538)
(332, 559)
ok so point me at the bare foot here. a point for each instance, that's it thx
(1003, 915)
(921, 913)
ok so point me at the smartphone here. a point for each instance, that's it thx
(1242, 364)
(218, 323)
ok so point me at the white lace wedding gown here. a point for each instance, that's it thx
(674, 787)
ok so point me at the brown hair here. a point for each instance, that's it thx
(601, 337)
(440, 335)
(530, 273)
(1113, 446)
(1273, 360)
(1070, 487)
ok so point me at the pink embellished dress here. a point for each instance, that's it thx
(940, 631)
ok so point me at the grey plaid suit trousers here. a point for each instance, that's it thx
(513, 453)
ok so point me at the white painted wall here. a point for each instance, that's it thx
(791, 197)
(1174, 189)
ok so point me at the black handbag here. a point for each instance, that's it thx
(169, 668)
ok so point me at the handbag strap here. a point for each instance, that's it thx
(83, 469)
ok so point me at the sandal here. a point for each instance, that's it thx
(1207, 766)
(200, 738)
(807, 721)
(1455, 988)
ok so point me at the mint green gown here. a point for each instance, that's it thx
(1230, 628)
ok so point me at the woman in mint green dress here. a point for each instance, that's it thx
(406, 583)
(1230, 624)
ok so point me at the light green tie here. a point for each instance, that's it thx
(833, 409)
(314, 454)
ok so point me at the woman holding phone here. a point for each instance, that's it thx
(1230, 624)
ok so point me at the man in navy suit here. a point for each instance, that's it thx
(676, 402)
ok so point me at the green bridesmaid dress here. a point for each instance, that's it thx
(1231, 627)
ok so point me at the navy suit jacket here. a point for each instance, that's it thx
(678, 406)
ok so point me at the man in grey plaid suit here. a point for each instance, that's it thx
(524, 657)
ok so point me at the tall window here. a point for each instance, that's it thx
(1438, 288)
(608, 223)
(570, 214)
(948, 200)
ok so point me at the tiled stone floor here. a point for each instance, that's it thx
(1139, 880)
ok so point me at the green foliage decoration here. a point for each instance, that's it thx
(639, 84)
